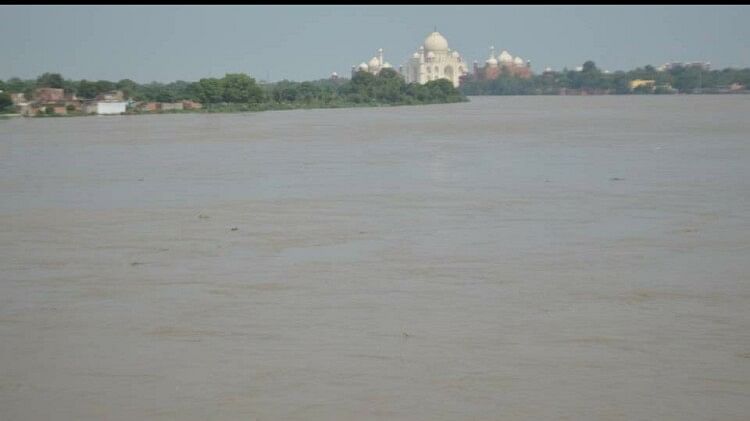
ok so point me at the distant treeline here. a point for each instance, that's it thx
(677, 79)
(240, 91)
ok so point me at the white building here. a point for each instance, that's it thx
(700, 65)
(113, 107)
(374, 66)
(434, 60)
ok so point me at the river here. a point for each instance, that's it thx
(510, 258)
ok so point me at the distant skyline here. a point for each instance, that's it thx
(168, 43)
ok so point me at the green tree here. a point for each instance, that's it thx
(389, 86)
(16, 85)
(105, 86)
(50, 80)
(589, 67)
(285, 91)
(5, 102)
(308, 92)
(361, 88)
(87, 89)
(210, 90)
(241, 88)
(621, 83)
(150, 91)
(686, 79)
(128, 87)
(70, 86)
(590, 77)
(164, 94)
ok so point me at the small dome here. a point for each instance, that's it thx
(373, 62)
(505, 57)
(387, 65)
(435, 42)
(334, 74)
(491, 61)
(455, 54)
(518, 61)
(416, 55)
(363, 66)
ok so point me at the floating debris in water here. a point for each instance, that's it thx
(616, 179)
(202, 216)
(235, 229)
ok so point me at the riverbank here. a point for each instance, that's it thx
(232, 93)
(251, 108)
(585, 93)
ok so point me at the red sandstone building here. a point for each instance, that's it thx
(53, 99)
(49, 95)
(504, 63)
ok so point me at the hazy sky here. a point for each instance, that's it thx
(166, 43)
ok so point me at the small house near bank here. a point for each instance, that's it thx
(105, 107)
(172, 106)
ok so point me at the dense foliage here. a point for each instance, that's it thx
(682, 79)
(5, 102)
(240, 91)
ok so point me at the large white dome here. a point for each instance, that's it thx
(518, 61)
(363, 66)
(373, 63)
(491, 61)
(505, 57)
(435, 42)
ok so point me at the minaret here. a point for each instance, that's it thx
(492, 51)
(380, 57)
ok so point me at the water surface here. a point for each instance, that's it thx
(509, 258)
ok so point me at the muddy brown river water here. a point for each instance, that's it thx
(511, 258)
